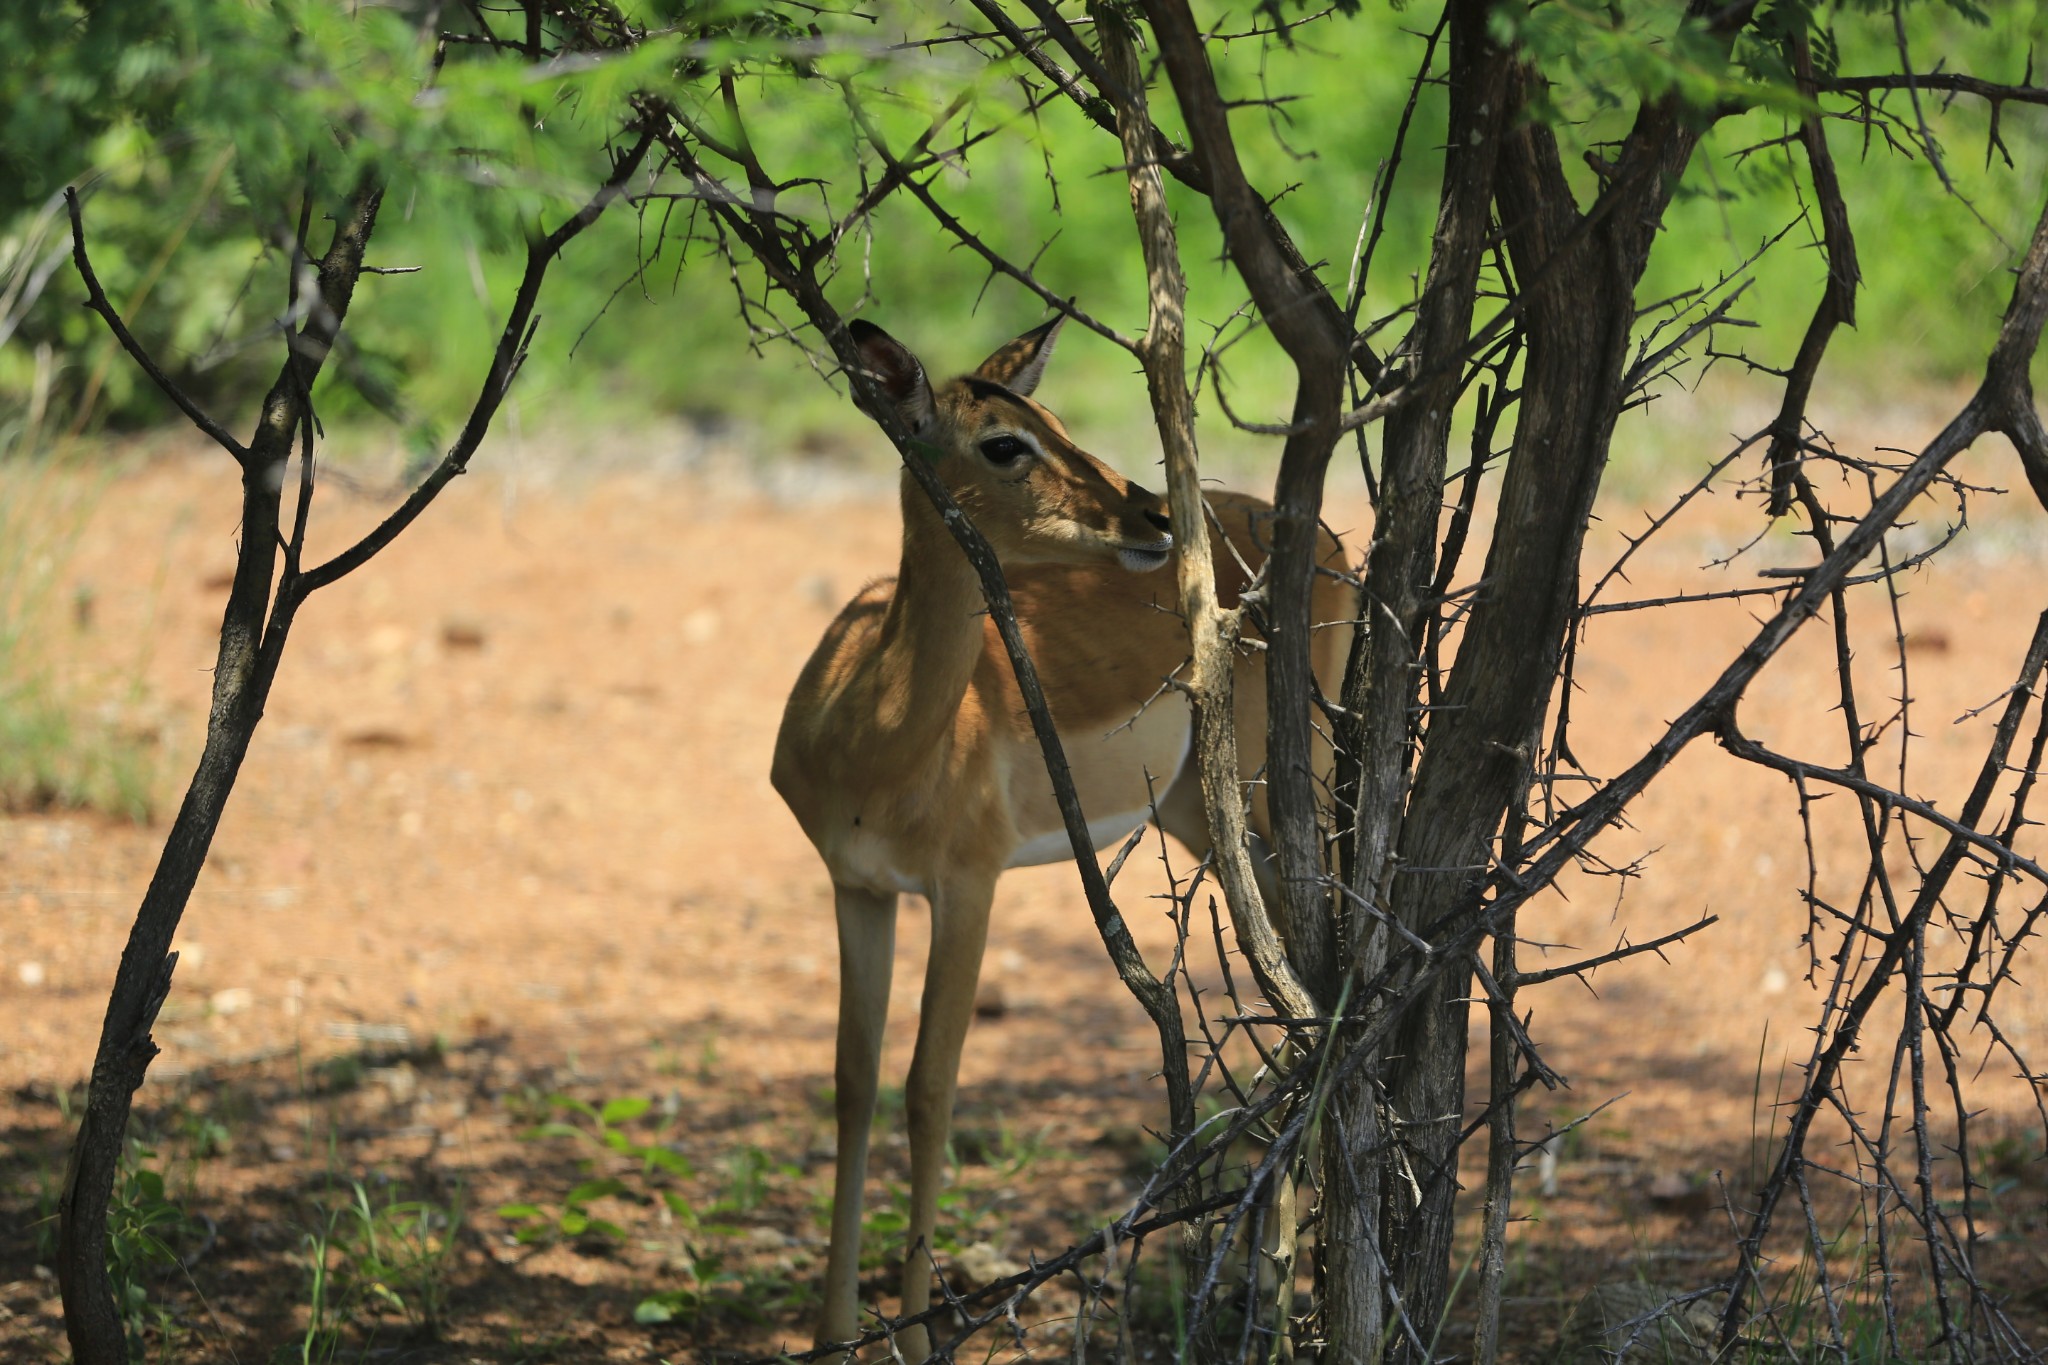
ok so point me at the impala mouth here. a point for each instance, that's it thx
(1146, 558)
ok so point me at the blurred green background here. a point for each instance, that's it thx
(188, 124)
(196, 129)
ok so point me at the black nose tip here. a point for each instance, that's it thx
(1159, 520)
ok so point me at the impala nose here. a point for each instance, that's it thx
(1159, 521)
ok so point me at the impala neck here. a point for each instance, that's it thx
(932, 633)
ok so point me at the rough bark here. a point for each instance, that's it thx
(1303, 318)
(1212, 631)
(1577, 273)
(1381, 681)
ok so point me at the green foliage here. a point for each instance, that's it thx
(148, 1236)
(1618, 56)
(714, 1288)
(608, 1147)
(643, 1170)
(200, 127)
(368, 1259)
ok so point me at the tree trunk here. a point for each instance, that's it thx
(1380, 685)
(1577, 274)
(252, 637)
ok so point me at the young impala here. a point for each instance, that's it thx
(908, 757)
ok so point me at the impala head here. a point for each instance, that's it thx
(1036, 496)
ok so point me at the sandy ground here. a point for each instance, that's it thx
(506, 833)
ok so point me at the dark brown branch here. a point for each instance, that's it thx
(1180, 164)
(96, 299)
(895, 173)
(1937, 80)
(2001, 852)
(1829, 1053)
(1837, 306)
(1006, 1293)
(1626, 950)
(2009, 378)
(997, 262)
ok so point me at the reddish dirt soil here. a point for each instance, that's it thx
(506, 834)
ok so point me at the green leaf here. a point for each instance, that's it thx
(570, 1102)
(667, 1306)
(552, 1130)
(665, 1159)
(594, 1189)
(625, 1109)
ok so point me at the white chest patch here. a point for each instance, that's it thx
(863, 860)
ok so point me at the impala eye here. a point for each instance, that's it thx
(1004, 450)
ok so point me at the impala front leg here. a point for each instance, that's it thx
(867, 956)
(959, 933)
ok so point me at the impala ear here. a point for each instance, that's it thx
(1018, 365)
(897, 371)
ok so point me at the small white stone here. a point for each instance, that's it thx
(232, 1000)
(701, 627)
(31, 973)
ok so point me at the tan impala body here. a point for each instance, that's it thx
(908, 757)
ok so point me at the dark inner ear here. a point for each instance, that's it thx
(1019, 364)
(897, 371)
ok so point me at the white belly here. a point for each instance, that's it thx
(862, 858)
(1107, 831)
(1057, 848)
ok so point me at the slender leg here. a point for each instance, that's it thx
(959, 933)
(867, 955)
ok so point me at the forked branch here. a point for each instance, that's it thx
(513, 341)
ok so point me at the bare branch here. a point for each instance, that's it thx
(1837, 306)
(96, 299)
(1625, 951)
(1932, 80)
